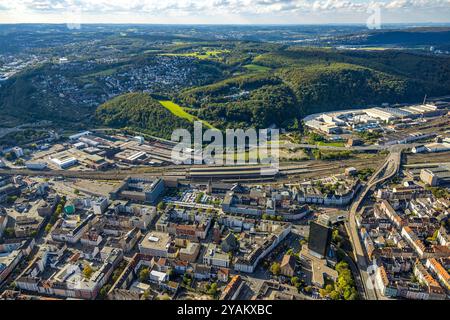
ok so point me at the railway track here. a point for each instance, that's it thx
(287, 170)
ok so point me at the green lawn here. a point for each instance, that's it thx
(181, 112)
(256, 68)
(373, 49)
(331, 144)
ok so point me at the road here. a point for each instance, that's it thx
(387, 171)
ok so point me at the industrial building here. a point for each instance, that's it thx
(328, 128)
(79, 135)
(371, 119)
(426, 110)
(383, 114)
(36, 165)
(437, 147)
(435, 177)
(141, 190)
(131, 156)
(64, 162)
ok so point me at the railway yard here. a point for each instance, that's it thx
(287, 171)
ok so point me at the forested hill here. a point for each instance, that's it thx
(294, 82)
(336, 86)
(412, 37)
(228, 84)
(140, 111)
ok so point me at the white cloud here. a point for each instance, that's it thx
(405, 4)
(216, 7)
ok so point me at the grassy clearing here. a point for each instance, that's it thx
(373, 49)
(256, 68)
(181, 112)
(202, 55)
(331, 144)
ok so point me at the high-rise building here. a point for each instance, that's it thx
(319, 239)
(99, 205)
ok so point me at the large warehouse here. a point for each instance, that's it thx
(439, 176)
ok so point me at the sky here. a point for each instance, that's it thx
(225, 11)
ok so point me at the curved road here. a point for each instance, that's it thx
(387, 171)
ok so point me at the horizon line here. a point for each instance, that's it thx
(225, 24)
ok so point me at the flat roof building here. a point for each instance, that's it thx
(383, 114)
(436, 176)
(158, 244)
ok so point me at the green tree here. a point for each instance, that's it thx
(199, 197)
(336, 238)
(295, 281)
(9, 232)
(87, 271)
(275, 268)
(19, 162)
(48, 228)
(104, 291)
(290, 252)
(144, 274)
(334, 295)
(161, 206)
(146, 295)
(11, 199)
(10, 156)
(59, 209)
(212, 291)
(187, 280)
(329, 288)
(164, 297)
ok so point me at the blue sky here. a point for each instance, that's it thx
(223, 11)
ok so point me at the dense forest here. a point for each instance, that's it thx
(411, 36)
(303, 81)
(141, 112)
(300, 81)
(228, 83)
